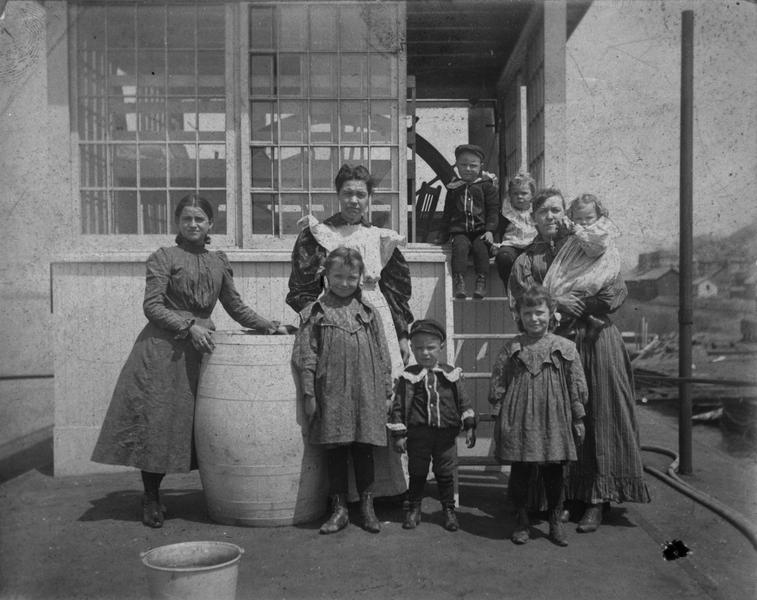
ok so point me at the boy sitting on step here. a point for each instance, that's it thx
(471, 216)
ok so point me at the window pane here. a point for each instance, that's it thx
(122, 78)
(124, 165)
(89, 22)
(354, 119)
(94, 212)
(323, 122)
(384, 31)
(182, 119)
(353, 28)
(154, 211)
(152, 72)
(261, 75)
(212, 165)
(123, 118)
(323, 24)
(384, 168)
(151, 26)
(152, 165)
(324, 165)
(93, 73)
(293, 207)
(211, 72)
(384, 121)
(262, 125)
(181, 26)
(261, 28)
(291, 75)
(323, 75)
(292, 168)
(92, 117)
(92, 165)
(354, 76)
(262, 168)
(383, 75)
(355, 156)
(211, 119)
(292, 121)
(181, 73)
(293, 27)
(121, 26)
(125, 211)
(152, 118)
(382, 213)
(262, 213)
(211, 27)
(182, 166)
(324, 205)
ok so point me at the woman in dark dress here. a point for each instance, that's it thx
(385, 286)
(149, 423)
(609, 467)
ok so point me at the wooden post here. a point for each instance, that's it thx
(685, 310)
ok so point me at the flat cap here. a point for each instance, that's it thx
(472, 148)
(428, 326)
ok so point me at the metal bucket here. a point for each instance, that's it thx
(193, 571)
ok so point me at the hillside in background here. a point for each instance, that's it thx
(741, 243)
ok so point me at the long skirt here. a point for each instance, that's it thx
(150, 418)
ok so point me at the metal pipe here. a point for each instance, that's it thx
(685, 310)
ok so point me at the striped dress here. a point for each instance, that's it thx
(609, 466)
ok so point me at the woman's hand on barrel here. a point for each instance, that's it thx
(202, 338)
(399, 444)
(311, 408)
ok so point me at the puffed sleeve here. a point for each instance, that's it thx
(577, 388)
(397, 288)
(377, 331)
(521, 276)
(305, 353)
(305, 281)
(156, 285)
(608, 299)
(233, 303)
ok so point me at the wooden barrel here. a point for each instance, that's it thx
(255, 463)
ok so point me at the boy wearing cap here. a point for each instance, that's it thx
(428, 410)
(471, 216)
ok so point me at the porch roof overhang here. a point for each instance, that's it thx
(458, 49)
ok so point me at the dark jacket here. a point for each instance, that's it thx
(435, 402)
(470, 207)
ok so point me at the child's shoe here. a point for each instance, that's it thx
(339, 517)
(480, 289)
(412, 515)
(153, 512)
(370, 521)
(450, 519)
(520, 535)
(557, 529)
(459, 286)
(591, 519)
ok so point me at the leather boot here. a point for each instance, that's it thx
(556, 528)
(370, 522)
(339, 517)
(412, 512)
(480, 289)
(591, 519)
(153, 512)
(459, 286)
(450, 519)
(520, 535)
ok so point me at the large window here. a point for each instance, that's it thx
(167, 93)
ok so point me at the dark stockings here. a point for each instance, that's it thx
(151, 483)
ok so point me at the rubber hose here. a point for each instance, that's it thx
(671, 478)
